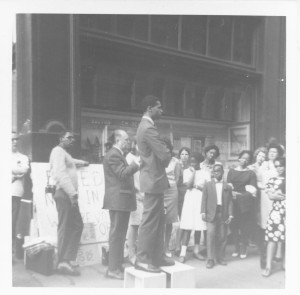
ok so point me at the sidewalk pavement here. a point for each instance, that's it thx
(238, 274)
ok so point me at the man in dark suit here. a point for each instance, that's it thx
(217, 211)
(119, 199)
(153, 182)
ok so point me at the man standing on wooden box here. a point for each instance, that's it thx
(155, 157)
(119, 199)
(70, 225)
(217, 211)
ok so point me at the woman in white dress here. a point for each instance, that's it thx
(191, 216)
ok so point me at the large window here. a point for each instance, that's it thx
(164, 30)
(229, 38)
(243, 40)
(133, 26)
(220, 29)
(194, 32)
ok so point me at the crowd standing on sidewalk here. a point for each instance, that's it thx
(148, 189)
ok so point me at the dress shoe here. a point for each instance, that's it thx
(210, 263)
(66, 269)
(222, 262)
(198, 256)
(243, 255)
(146, 267)
(266, 272)
(181, 259)
(115, 274)
(74, 263)
(167, 261)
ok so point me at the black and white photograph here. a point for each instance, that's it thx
(152, 145)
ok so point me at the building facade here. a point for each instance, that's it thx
(221, 79)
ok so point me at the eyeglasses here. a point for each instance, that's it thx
(276, 166)
(70, 137)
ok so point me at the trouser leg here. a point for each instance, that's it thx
(211, 240)
(221, 242)
(151, 231)
(15, 207)
(69, 227)
(117, 235)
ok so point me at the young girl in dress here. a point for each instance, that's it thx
(191, 216)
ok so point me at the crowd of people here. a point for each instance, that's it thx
(148, 189)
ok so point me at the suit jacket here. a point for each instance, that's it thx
(155, 158)
(119, 186)
(209, 201)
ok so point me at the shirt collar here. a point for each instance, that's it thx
(149, 119)
(216, 181)
(119, 150)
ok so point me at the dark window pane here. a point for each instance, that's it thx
(133, 26)
(194, 33)
(164, 30)
(104, 22)
(124, 89)
(173, 100)
(220, 28)
(88, 83)
(243, 40)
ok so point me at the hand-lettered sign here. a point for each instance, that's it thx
(90, 193)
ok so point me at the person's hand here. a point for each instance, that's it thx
(192, 168)
(229, 219)
(203, 215)
(230, 184)
(74, 200)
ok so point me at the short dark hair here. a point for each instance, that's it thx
(149, 101)
(246, 152)
(197, 156)
(63, 133)
(218, 164)
(184, 149)
(212, 147)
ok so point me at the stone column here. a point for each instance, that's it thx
(47, 58)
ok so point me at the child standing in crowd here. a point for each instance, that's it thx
(191, 215)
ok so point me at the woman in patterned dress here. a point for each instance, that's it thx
(275, 228)
(266, 171)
